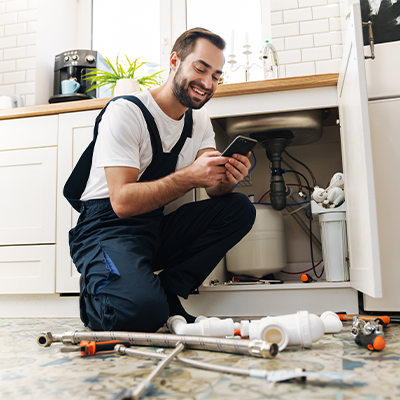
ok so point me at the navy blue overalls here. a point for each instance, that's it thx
(117, 257)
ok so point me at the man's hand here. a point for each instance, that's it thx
(235, 169)
(209, 169)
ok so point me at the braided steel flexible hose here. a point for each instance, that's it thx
(256, 348)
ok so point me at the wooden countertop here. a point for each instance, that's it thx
(233, 89)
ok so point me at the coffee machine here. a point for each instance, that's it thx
(72, 66)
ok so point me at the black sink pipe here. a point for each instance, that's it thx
(275, 142)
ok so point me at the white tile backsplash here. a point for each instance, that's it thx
(30, 15)
(301, 14)
(316, 54)
(337, 51)
(7, 90)
(25, 64)
(328, 67)
(8, 18)
(18, 27)
(277, 5)
(299, 42)
(7, 42)
(32, 27)
(15, 29)
(31, 51)
(15, 53)
(335, 24)
(331, 10)
(8, 66)
(26, 40)
(311, 3)
(319, 38)
(25, 88)
(316, 26)
(276, 17)
(300, 69)
(14, 77)
(16, 5)
(285, 30)
(290, 56)
(329, 38)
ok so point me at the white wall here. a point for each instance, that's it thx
(18, 23)
(62, 25)
(307, 35)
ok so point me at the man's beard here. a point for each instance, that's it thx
(181, 91)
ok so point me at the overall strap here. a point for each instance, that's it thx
(151, 125)
(76, 183)
(186, 132)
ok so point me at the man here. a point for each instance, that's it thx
(136, 167)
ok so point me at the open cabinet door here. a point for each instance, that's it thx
(362, 226)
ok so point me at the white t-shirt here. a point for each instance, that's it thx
(124, 140)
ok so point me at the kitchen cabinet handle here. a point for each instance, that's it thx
(371, 39)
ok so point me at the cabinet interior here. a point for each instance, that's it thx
(323, 158)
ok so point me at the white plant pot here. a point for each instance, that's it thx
(126, 86)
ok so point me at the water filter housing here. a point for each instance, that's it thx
(262, 251)
(332, 223)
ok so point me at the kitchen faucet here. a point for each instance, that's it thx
(270, 61)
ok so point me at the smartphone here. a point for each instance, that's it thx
(241, 145)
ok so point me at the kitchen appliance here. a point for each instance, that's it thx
(73, 65)
(11, 102)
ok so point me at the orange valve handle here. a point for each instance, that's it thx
(372, 342)
(306, 278)
(383, 320)
(91, 348)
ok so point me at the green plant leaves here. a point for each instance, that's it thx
(121, 70)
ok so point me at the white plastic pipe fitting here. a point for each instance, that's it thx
(332, 322)
(337, 180)
(335, 196)
(202, 327)
(319, 194)
(301, 328)
(297, 329)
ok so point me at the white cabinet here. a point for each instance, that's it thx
(28, 200)
(27, 269)
(362, 224)
(358, 168)
(28, 175)
(75, 133)
(385, 123)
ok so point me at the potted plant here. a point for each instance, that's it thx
(121, 77)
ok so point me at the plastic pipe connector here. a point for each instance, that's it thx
(202, 327)
(332, 322)
(319, 194)
(302, 329)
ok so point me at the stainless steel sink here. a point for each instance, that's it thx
(306, 126)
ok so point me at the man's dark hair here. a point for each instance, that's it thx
(185, 43)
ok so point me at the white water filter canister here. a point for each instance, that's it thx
(262, 251)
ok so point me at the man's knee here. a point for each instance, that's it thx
(146, 313)
(241, 211)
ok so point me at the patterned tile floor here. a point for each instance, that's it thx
(28, 371)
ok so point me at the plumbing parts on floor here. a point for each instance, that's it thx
(301, 328)
(368, 334)
(256, 348)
